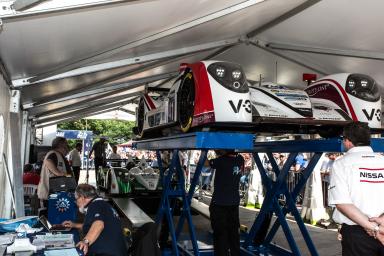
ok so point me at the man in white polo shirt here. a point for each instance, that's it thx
(356, 189)
(74, 158)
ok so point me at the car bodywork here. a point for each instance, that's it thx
(207, 92)
(324, 107)
(356, 95)
(131, 179)
(278, 109)
(217, 94)
(145, 177)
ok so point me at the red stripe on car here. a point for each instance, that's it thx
(345, 96)
(149, 101)
(203, 95)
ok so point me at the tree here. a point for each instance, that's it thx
(117, 131)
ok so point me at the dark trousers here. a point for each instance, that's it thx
(225, 225)
(44, 203)
(99, 162)
(356, 242)
(76, 172)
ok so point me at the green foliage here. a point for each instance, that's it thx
(117, 131)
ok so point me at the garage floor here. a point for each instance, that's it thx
(325, 240)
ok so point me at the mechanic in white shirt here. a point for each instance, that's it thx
(357, 189)
(74, 158)
(325, 170)
(114, 154)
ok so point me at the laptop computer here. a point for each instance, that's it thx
(52, 228)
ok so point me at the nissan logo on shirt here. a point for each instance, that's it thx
(372, 175)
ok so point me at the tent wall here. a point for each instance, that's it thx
(15, 160)
(5, 205)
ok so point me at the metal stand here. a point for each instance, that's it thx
(199, 140)
(279, 187)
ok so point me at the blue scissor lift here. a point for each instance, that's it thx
(279, 187)
(192, 141)
(276, 188)
(242, 142)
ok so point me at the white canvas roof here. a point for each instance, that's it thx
(72, 59)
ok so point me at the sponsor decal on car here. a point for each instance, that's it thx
(313, 91)
(246, 104)
(294, 98)
(373, 113)
(203, 118)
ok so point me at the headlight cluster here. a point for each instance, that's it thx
(220, 72)
(362, 87)
(230, 75)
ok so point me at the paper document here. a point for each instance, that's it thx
(62, 252)
(6, 239)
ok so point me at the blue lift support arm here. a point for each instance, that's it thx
(192, 141)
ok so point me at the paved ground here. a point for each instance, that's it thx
(325, 240)
(91, 180)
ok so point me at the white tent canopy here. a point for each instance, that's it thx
(76, 58)
(115, 114)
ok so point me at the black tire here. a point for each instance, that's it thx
(140, 118)
(330, 132)
(186, 102)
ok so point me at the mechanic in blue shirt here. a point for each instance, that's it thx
(224, 207)
(102, 229)
(299, 165)
(300, 162)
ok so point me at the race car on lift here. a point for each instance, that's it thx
(324, 107)
(217, 94)
(356, 96)
(278, 109)
(205, 93)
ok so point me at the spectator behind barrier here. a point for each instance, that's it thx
(114, 154)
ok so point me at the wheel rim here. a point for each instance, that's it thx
(186, 102)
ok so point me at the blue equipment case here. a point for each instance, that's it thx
(61, 206)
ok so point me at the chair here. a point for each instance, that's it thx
(30, 197)
(29, 189)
